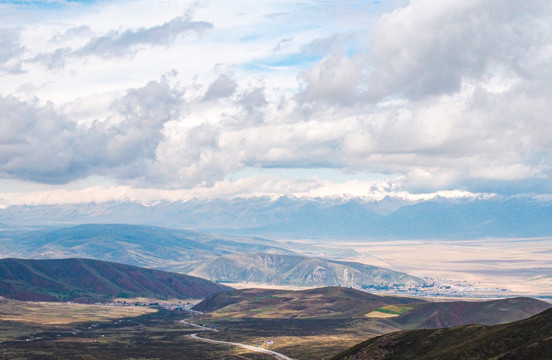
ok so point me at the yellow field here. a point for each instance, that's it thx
(154, 300)
(379, 315)
(49, 313)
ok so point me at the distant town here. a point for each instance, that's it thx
(167, 305)
(440, 288)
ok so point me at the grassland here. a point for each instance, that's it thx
(48, 313)
(302, 339)
(37, 330)
(306, 324)
(330, 302)
(317, 323)
(157, 335)
(298, 331)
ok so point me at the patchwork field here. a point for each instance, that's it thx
(388, 311)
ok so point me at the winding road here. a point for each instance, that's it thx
(248, 347)
(198, 326)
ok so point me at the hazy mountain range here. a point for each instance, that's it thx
(214, 257)
(298, 270)
(148, 246)
(291, 217)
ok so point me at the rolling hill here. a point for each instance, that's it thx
(456, 313)
(299, 270)
(328, 302)
(85, 280)
(340, 302)
(521, 340)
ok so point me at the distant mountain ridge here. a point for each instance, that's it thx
(148, 246)
(86, 280)
(300, 271)
(291, 217)
(216, 257)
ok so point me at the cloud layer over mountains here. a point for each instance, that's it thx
(431, 95)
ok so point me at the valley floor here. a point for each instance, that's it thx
(148, 337)
(472, 268)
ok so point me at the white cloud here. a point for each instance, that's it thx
(444, 93)
(10, 51)
(122, 43)
(39, 144)
(262, 185)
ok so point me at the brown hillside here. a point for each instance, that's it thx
(85, 280)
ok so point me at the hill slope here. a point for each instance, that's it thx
(329, 302)
(299, 270)
(407, 312)
(456, 313)
(85, 280)
(148, 246)
(522, 340)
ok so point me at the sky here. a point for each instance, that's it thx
(143, 100)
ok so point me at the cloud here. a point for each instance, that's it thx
(39, 144)
(331, 45)
(335, 79)
(223, 86)
(430, 47)
(261, 185)
(117, 44)
(10, 51)
(71, 33)
(444, 94)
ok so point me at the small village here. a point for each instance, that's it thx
(434, 287)
(167, 305)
